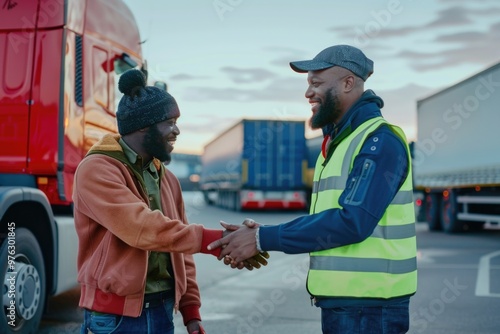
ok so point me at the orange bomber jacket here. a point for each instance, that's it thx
(117, 230)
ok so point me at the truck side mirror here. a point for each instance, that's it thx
(123, 63)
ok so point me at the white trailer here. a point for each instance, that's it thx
(457, 153)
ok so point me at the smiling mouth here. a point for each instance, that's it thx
(314, 105)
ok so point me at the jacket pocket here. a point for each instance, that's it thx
(358, 186)
(101, 251)
(122, 269)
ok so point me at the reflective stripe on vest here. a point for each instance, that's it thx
(384, 264)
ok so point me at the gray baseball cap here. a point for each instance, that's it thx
(345, 56)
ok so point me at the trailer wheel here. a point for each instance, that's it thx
(236, 201)
(432, 215)
(449, 213)
(206, 197)
(23, 273)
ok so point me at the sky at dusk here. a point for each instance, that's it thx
(225, 60)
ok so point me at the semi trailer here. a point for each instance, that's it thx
(456, 158)
(256, 164)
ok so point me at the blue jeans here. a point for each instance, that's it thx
(389, 319)
(153, 320)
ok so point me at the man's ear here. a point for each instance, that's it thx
(349, 83)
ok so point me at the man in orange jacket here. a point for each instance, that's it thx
(134, 262)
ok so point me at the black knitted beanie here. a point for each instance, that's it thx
(141, 105)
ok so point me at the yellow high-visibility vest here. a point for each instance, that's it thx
(382, 266)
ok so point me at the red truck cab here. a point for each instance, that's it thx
(59, 66)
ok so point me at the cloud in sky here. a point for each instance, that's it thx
(448, 17)
(472, 47)
(453, 16)
(247, 75)
(186, 77)
(282, 56)
(279, 89)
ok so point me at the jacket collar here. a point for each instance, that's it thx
(109, 145)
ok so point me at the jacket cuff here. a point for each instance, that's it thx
(190, 312)
(210, 236)
(269, 238)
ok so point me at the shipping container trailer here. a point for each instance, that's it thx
(457, 156)
(256, 164)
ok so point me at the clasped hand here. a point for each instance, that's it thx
(239, 247)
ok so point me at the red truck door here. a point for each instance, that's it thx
(17, 40)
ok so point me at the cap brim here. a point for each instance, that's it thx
(304, 66)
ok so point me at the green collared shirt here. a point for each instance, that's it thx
(159, 277)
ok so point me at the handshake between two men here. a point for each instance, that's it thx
(239, 246)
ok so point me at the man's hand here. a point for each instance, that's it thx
(256, 261)
(195, 327)
(240, 244)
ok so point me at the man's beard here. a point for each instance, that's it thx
(154, 145)
(328, 111)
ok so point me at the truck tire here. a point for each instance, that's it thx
(449, 214)
(207, 199)
(432, 210)
(24, 287)
(236, 201)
